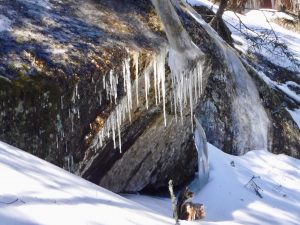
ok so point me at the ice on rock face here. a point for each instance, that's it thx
(251, 122)
(201, 146)
(187, 83)
(185, 59)
(123, 107)
(187, 87)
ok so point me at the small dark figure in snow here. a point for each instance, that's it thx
(195, 211)
(186, 210)
(184, 196)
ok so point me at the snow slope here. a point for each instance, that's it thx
(33, 191)
(228, 201)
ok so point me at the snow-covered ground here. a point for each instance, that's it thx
(33, 191)
(228, 201)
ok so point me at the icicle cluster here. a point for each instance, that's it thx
(112, 126)
(186, 84)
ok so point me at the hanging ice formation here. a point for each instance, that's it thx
(123, 108)
(185, 61)
(251, 122)
(201, 146)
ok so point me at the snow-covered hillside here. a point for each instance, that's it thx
(33, 191)
(227, 198)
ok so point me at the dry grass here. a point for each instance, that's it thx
(288, 24)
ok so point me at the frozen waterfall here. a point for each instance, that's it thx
(251, 122)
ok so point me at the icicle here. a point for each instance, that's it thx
(100, 98)
(155, 78)
(191, 100)
(196, 85)
(146, 87)
(186, 83)
(119, 129)
(76, 91)
(200, 80)
(73, 97)
(72, 123)
(174, 98)
(103, 81)
(110, 86)
(115, 88)
(127, 78)
(160, 70)
(62, 102)
(136, 63)
(101, 138)
(113, 131)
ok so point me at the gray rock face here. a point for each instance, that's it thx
(54, 58)
(157, 148)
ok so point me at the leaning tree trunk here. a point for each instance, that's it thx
(215, 22)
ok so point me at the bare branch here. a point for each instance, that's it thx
(11, 202)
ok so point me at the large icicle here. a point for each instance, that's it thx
(185, 59)
(201, 146)
(127, 78)
(159, 78)
(136, 64)
(155, 79)
(147, 85)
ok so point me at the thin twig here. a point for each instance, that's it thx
(11, 202)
